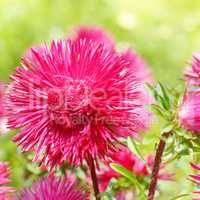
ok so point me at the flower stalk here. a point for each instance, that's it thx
(94, 179)
(156, 165)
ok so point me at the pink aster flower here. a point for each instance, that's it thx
(4, 180)
(189, 111)
(73, 101)
(54, 188)
(192, 74)
(131, 162)
(196, 178)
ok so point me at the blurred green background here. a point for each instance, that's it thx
(164, 32)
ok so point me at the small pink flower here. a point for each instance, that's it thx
(189, 111)
(192, 74)
(5, 191)
(196, 178)
(128, 160)
(54, 188)
(76, 90)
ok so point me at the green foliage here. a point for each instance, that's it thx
(130, 176)
(181, 142)
(133, 146)
(180, 196)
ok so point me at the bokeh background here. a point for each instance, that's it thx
(163, 32)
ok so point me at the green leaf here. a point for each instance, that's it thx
(162, 102)
(157, 110)
(196, 149)
(129, 175)
(165, 95)
(160, 94)
(33, 169)
(180, 196)
(168, 128)
(150, 88)
(132, 145)
(170, 147)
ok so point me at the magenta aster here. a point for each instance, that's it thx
(4, 180)
(76, 90)
(54, 188)
(192, 74)
(189, 111)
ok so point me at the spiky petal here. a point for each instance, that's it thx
(196, 178)
(192, 74)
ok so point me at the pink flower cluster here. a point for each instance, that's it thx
(75, 99)
(54, 188)
(47, 188)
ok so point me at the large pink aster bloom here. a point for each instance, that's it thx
(4, 180)
(54, 188)
(131, 162)
(73, 101)
(192, 74)
(189, 111)
(196, 178)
